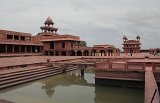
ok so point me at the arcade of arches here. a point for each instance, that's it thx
(10, 48)
(84, 53)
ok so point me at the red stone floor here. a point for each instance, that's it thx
(4, 101)
(150, 86)
(31, 59)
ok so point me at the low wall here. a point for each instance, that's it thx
(120, 78)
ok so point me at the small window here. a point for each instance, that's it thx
(23, 38)
(63, 45)
(51, 45)
(9, 36)
(16, 37)
(71, 44)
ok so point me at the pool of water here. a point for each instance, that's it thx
(71, 88)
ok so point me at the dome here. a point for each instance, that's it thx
(138, 37)
(124, 37)
(49, 21)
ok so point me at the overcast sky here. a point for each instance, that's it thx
(95, 21)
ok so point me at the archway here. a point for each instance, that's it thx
(56, 53)
(46, 52)
(102, 52)
(16, 48)
(63, 53)
(93, 53)
(2, 48)
(51, 53)
(86, 53)
(79, 53)
(72, 53)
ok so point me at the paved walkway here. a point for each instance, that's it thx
(4, 101)
(150, 87)
(13, 61)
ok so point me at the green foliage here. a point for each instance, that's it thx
(83, 43)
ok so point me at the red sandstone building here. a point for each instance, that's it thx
(131, 46)
(51, 43)
(18, 42)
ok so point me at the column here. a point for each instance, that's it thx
(105, 53)
(30, 49)
(13, 37)
(12, 48)
(20, 49)
(89, 53)
(75, 52)
(25, 49)
(67, 53)
(6, 48)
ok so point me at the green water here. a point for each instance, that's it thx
(70, 88)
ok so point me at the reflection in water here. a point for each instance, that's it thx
(72, 78)
(71, 88)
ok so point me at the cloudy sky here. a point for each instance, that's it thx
(95, 21)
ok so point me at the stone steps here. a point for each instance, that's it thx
(22, 76)
(10, 73)
(24, 73)
(71, 68)
(28, 80)
(26, 76)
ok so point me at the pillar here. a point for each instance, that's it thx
(82, 71)
(75, 52)
(67, 53)
(20, 51)
(6, 48)
(12, 48)
(13, 37)
(30, 49)
(64, 68)
(89, 53)
(25, 49)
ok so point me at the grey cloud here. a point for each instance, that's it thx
(96, 21)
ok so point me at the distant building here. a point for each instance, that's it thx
(50, 42)
(154, 51)
(131, 46)
(18, 42)
(69, 45)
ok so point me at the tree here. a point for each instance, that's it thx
(83, 43)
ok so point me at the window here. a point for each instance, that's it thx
(9, 36)
(51, 45)
(16, 37)
(63, 45)
(23, 38)
(71, 44)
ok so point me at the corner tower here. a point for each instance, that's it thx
(48, 27)
(131, 46)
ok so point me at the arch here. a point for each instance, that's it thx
(16, 48)
(63, 53)
(51, 53)
(72, 53)
(102, 52)
(2, 48)
(79, 53)
(93, 53)
(56, 53)
(46, 52)
(86, 53)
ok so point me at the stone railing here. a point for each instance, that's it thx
(135, 66)
(156, 67)
(122, 66)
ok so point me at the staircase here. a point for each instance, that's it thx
(13, 78)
